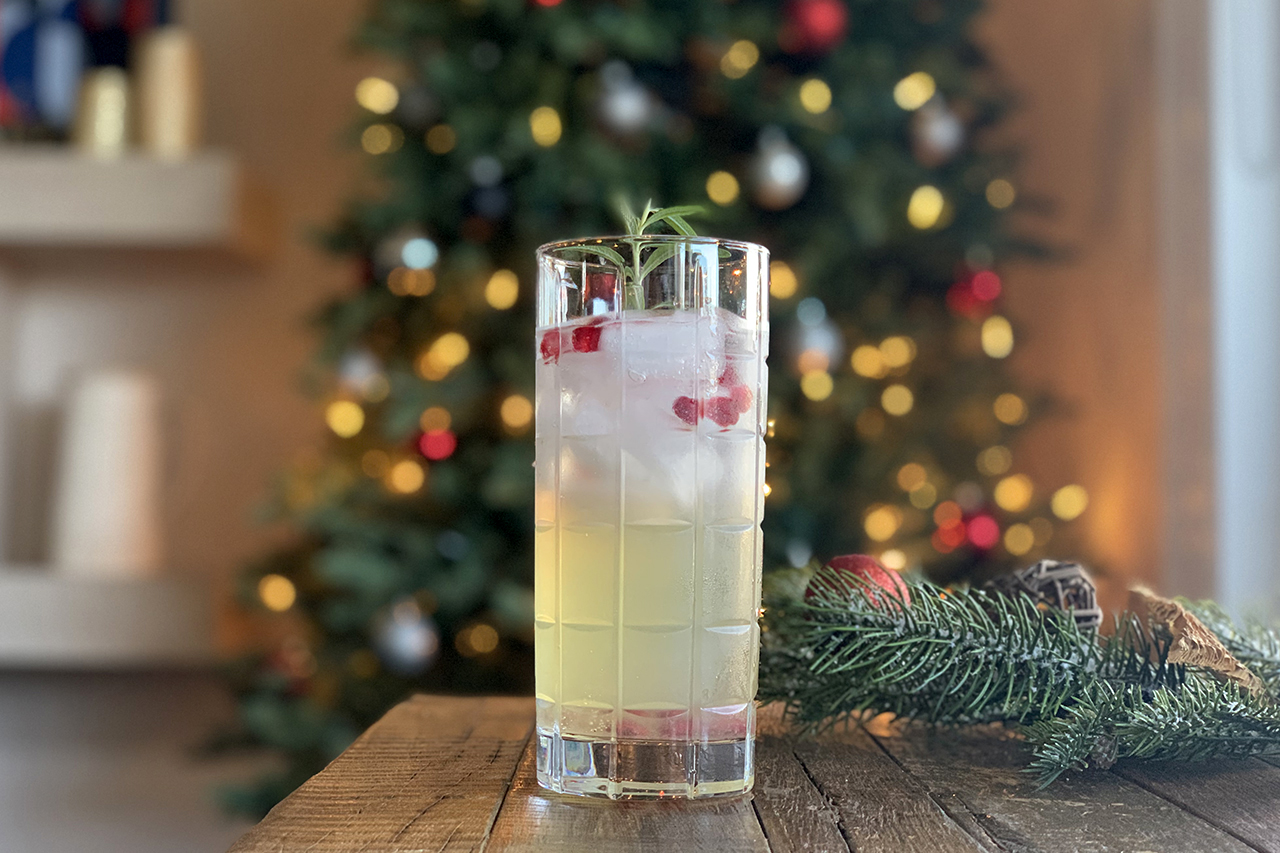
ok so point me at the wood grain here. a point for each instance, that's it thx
(796, 816)
(977, 773)
(1240, 797)
(430, 775)
(535, 820)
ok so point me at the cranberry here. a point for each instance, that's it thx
(586, 338)
(723, 411)
(686, 409)
(550, 346)
(742, 397)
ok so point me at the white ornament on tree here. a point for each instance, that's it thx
(407, 639)
(937, 133)
(780, 172)
(625, 105)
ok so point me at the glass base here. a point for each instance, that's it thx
(623, 770)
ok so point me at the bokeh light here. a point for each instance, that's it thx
(478, 639)
(817, 385)
(1013, 493)
(995, 461)
(914, 91)
(948, 512)
(740, 58)
(377, 95)
(344, 417)
(441, 139)
(403, 281)
(997, 336)
(544, 124)
(782, 280)
(1000, 193)
(435, 418)
(516, 412)
(381, 138)
(813, 359)
(894, 559)
(923, 496)
(419, 253)
(897, 399)
(722, 188)
(1010, 409)
(277, 592)
(406, 477)
(983, 531)
(447, 352)
(1019, 539)
(438, 444)
(882, 522)
(925, 207)
(868, 361)
(815, 96)
(897, 351)
(1069, 502)
(911, 475)
(502, 289)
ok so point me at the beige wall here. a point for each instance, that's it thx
(1090, 324)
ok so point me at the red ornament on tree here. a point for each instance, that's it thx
(814, 26)
(869, 571)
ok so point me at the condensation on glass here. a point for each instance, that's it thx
(651, 383)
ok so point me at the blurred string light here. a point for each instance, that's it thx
(377, 95)
(344, 417)
(1013, 493)
(997, 336)
(516, 412)
(894, 559)
(782, 280)
(897, 399)
(1010, 409)
(544, 123)
(995, 461)
(445, 353)
(925, 207)
(406, 477)
(882, 522)
(375, 464)
(1069, 502)
(403, 281)
(480, 638)
(767, 490)
(815, 96)
(813, 359)
(502, 289)
(897, 351)
(983, 531)
(946, 513)
(1019, 539)
(438, 444)
(740, 58)
(923, 496)
(912, 476)
(722, 188)
(914, 91)
(1000, 193)
(419, 253)
(817, 385)
(435, 418)
(277, 592)
(441, 139)
(381, 138)
(868, 361)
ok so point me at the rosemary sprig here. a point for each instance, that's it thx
(640, 266)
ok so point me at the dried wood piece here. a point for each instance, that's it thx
(1191, 642)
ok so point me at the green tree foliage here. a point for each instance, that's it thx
(502, 124)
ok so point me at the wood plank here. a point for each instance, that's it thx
(796, 816)
(881, 807)
(1241, 797)
(976, 775)
(430, 775)
(532, 820)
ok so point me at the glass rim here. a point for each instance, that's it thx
(699, 240)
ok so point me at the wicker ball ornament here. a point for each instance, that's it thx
(1056, 584)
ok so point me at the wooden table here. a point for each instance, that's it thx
(452, 774)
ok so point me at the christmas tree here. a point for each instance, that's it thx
(845, 136)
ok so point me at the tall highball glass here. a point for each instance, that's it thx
(651, 383)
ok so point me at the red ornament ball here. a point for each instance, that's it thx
(814, 25)
(868, 570)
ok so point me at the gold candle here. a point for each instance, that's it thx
(170, 114)
(102, 118)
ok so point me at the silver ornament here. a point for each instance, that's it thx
(625, 106)
(407, 640)
(780, 172)
(936, 133)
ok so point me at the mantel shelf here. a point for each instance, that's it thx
(52, 197)
(55, 620)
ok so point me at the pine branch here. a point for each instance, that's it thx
(1203, 719)
(950, 657)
